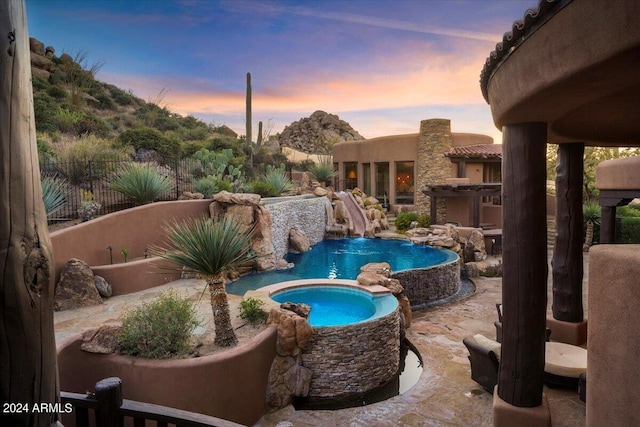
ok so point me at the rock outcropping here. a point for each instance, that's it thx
(317, 133)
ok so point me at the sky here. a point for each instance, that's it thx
(381, 65)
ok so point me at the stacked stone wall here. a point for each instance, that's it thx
(352, 359)
(432, 167)
(423, 285)
(308, 215)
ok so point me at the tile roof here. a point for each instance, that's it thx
(520, 30)
(484, 151)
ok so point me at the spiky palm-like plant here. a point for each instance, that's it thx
(210, 247)
(591, 215)
(323, 171)
(53, 194)
(278, 178)
(141, 184)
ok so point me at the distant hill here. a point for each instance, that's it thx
(317, 133)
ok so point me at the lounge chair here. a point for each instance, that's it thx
(484, 356)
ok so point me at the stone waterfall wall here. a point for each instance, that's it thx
(308, 215)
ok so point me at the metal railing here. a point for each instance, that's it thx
(91, 178)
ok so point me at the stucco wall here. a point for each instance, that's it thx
(231, 385)
(308, 215)
(134, 229)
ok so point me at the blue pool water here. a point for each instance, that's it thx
(342, 259)
(330, 305)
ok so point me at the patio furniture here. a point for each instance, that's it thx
(498, 325)
(563, 364)
(484, 356)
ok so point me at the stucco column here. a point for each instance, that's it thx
(524, 279)
(567, 254)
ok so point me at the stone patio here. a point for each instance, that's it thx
(445, 395)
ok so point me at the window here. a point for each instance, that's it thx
(366, 178)
(382, 181)
(350, 175)
(404, 183)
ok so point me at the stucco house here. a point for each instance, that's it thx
(399, 169)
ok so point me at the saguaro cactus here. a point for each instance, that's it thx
(248, 110)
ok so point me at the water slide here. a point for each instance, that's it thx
(359, 221)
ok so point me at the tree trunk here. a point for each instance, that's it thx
(225, 336)
(28, 373)
(588, 237)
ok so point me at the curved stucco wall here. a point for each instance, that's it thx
(134, 229)
(231, 385)
(308, 215)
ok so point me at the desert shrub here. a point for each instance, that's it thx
(278, 178)
(424, 221)
(151, 139)
(404, 220)
(141, 184)
(66, 120)
(251, 310)
(57, 92)
(39, 83)
(159, 328)
(90, 124)
(628, 211)
(211, 185)
(53, 194)
(73, 157)
(106, 103)
(264, 189)
(630, 230)
(121, 97)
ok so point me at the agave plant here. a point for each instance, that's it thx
(278, 178)
(210, 247)
(591, 215)
(141, 184)
(323, 170)
(53, 194)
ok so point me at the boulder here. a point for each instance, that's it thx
(340, 212)
(146, 155)
(103, 340)
(300, 309)
(298, 240)
(319, 192)
(370, 278)
(405, 309)
(104, 288)
(394, 286)
(383, 268)
(36, 46)
(188, 195)
(294, 331)
(76, 287)
(241, 213)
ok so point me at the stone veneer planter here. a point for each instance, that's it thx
(423, 285)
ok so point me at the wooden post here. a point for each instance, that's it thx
(524, 279)
(27, 341)
(567, 254)
(109, 396)
(433, 209)
(476, 211)
(608, 224)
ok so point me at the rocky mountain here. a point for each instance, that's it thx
(317, 133)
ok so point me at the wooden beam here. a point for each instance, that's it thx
(524, 280)
(567, 255)
(27, 342)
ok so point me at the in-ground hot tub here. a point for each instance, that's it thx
(355, 347)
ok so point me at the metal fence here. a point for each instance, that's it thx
(90, 178)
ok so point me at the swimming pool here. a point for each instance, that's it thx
(342, 259)
(338, 305)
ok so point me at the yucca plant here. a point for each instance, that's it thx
(141, 184)
(591, 215)
(210, 247)
(323, 170)
(53, 194)
(278, 178)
